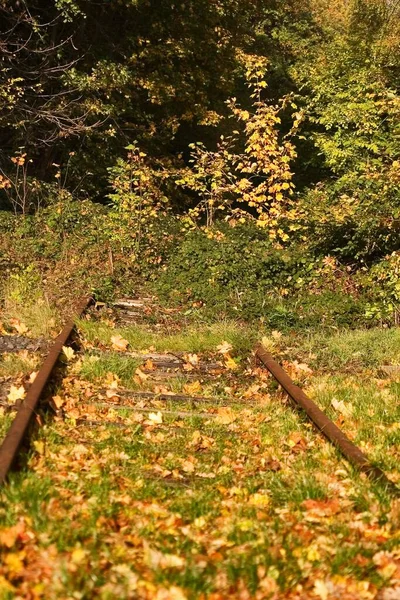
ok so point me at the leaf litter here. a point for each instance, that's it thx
(250, 503)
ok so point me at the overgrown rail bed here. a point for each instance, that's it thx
(172, 467)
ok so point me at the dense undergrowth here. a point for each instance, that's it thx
(227, 271)
(260, 182)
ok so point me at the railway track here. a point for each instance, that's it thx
(176, 392)
(168, 366)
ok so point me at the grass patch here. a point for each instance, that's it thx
(13, 365)
(355, 350)
(41, 319)
(196, 338)
(96, 368)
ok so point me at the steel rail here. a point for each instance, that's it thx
(335, 435)
(19, 427)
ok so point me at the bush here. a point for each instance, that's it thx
(237, 271)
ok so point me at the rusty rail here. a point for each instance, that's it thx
(19, 427)
(323, 423)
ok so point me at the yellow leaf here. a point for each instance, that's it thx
(14, 563)
(140, 376)
(224, 348)
(58, 401)
(119, 343)
(313, 554)
(21, 328)
(259, 500)
(192, 388)
(172, 593)
(230, 363)
(39, 446)
(321, 589)
(32, 376)
(157, 560)
(5, 587)
(68, 353)
(16, 394)
(78, 555)
(188, 466)
(342, 407)
(156, 418)
(225, 416)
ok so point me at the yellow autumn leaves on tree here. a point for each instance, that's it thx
(251, 178)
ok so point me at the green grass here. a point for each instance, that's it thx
(349, 349)
(199, 338)
(95, 368)
(203, 504)
(12, 365)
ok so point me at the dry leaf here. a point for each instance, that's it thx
(78, 555)
(149, 365)
(259, 500)
(224, 348)
(172, 593)
(155, 418)
(140, 376)
(225, 416)
(193, 359)
(321, 589)
(230, 363)
(32, 376)
(276, 335)
(192, 388)
(16, 394)
(68, 352)
(39, 446)
(21, 328)
(188, 466)
(58, 401)
(119, 343)
(341, 407)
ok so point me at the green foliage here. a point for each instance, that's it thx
(237, 271)
(312, 157)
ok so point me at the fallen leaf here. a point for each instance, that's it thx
(16, 394)
(39, 446)
(14, 563)
(321, 589)
(58, 401)
(112, 380)
(259, 500)
(9, 536)
(201, 441)
(78, 555)
(192, 388)
(20, 327)
(155, 418)
(230, 363)
(345, 409)
(193, 359)
(149, 365)
(172, 593)
(68, 352)
(225, 415)
(157, 560)
(119, 343)
(224, 348)
(188, 466)
(319, 509)
(276, 334)
(32, 376)
(140, 376)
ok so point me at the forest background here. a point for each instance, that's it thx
(240, 156)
